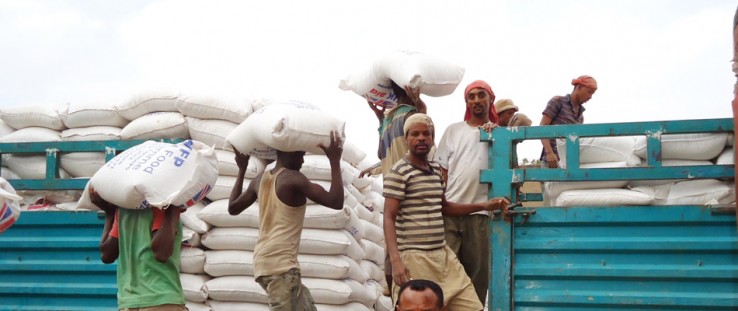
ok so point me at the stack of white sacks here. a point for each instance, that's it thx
(341, 253)
(677, 150)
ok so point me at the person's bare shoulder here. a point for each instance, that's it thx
(293, 178)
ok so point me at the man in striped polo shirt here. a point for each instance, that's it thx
(413, 220)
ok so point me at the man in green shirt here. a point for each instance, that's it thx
(147, 244)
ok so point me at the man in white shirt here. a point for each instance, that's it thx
(462, 156)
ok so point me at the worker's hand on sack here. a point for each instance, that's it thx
(96, 199)
(242, 160)
(366, 172)
(335, 149)
(379, 112)
(414, 94)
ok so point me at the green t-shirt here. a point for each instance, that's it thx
(143, 281)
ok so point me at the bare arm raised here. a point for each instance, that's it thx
(239, 200)
(334, 197)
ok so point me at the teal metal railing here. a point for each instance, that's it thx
(588, 257)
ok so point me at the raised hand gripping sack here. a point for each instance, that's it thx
(158, 174)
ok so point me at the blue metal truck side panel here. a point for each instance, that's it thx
(610, 257)
(644, 257)
(51, 261)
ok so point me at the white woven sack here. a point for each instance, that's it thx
(727, 157)
(212, 107)
(602, 149)
(29, 166)
(8, 174)
(147, 102)
(366, 214)
(227, 164)
(191, 220)
(235, 238)
(336, 292)
(211, 132)
(330, 242)
(156, 125)
(216, 214)
(229, 262)
(158, 174)
(236, 288)
(192, 260)
(701, 146)
(91, 133)
(82, 164)
(31, 134)
(375, 289)
(666, 163)
(190, 238)
(730, 198)
(321, 217)
(352, 153)
(374, 252)
(351, 306)
(434, 76)
(79, 115)
(384, 303)
(216, 305)
(19, 117)
(5, 129)
(9, 205)
(552, 189)
(223, 187)
(355, 192)
(316, 217)
(373, 232)
(374, 201)
(193, 286)
(374, 270)
(364, 184)
(378, 185)
(334, 267)
(197, 306)
(318, 167)
(600, 197)
(696, 192)
(730, 139)
(293, 126)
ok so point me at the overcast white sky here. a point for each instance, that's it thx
(654, 60)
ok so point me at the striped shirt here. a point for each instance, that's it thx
(419, 223)
(561, 111)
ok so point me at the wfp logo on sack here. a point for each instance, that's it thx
(183, 152)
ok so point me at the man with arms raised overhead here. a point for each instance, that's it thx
(283, 193)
